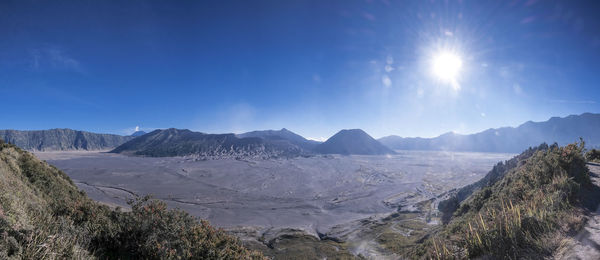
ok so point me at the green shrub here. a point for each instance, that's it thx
(151, 231)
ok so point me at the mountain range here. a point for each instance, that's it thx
(62, 139)
(256, 144)
(181, 142)
(509, 139)
(277, 143)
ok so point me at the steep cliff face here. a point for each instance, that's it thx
(62, 139)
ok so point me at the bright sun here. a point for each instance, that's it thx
(446, 67)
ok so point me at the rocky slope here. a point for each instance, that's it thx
(282, 134)
(178, 142)
(509, 139)
(62, 139)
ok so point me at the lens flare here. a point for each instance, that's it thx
(446, 67)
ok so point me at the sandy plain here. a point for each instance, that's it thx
(319, 194)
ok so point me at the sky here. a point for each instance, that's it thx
(313, 67)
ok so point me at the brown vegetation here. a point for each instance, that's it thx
(525, 214)
(44, 216)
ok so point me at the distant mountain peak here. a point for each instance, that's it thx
(282, 135)
(352, 141)
(450, 133)
(138, 133)
(355, 130)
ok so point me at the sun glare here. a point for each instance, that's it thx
(446, 67)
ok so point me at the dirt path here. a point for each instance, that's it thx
(587, 243)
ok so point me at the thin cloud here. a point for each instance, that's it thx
(389, 60)
(53, 58)
(517, 89)
(318, 139)
(531, 2)
(369, 16)
(527, 20)
(59, 59)
(316, 78)
(131, 130)
(386, 81)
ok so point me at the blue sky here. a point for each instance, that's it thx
(314, 67)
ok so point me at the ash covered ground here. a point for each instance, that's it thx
(313, 194)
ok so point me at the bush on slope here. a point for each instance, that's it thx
(44, 216)
(449, 206)
(525, 214)
(593, 156)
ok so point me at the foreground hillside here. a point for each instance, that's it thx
(44, 216)
(526, 208)
(509, 139)
(61, 140)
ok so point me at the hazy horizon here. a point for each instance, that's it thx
(132, 130)
(308, 66)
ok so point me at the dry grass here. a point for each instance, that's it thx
(529, 213)
(43, 215)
